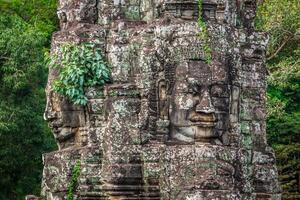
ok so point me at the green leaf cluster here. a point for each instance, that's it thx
(73, 182)
(203, 34)
(81, 66)
(41, 14)
(281, 20)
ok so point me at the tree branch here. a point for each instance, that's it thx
(280, 48)
(4, 57)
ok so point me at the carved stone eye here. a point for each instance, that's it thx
(193, 86)
(219, 91)
(196, 88)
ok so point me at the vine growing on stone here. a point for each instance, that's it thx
(73, 183)
(80, 66)
(203, 35)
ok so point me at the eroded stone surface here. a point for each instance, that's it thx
(170, 126)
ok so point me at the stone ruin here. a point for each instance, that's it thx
(171, 125)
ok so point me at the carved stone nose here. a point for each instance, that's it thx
(205, 105)
(49, 116)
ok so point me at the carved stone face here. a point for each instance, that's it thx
(193, 115)
(65, 119)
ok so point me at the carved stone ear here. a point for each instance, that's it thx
(162, 97)
(168, 87)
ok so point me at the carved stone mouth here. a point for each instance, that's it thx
(204, 120)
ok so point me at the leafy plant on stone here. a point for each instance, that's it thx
(106, 196)
(203, 35)
(73, 183)
(80, 66)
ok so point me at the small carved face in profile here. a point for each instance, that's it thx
(64, 119)
(192, 111)
(51, 113)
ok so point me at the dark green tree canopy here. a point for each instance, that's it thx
(25, 30)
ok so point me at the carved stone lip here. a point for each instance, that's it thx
(203, 120)
(204, 124)
(198, 124)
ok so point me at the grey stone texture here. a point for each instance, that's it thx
(170, 126)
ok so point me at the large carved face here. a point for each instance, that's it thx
(195, 113)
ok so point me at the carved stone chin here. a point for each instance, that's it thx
(171, 125)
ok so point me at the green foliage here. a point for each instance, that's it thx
(106, 196)
(17, 59)
(41, 13)
(73, 182)
(24, 135)
(80, 66)
(203, 34)
(282, 21)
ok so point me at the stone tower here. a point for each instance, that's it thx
(171, 125)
